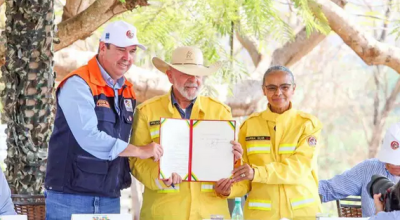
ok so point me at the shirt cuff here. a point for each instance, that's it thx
(258, 177)
(118, 147)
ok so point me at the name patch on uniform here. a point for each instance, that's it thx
(128, 105)
(258, 138)
(154, 123)
(103, 103)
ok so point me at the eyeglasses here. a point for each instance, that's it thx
(273, 88)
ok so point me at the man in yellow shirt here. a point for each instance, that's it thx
(184, 200)
(280, 154)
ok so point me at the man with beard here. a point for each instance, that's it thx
(187, 200)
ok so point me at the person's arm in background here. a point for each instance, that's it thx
(76, 102)
(6, 204)
(349, 183)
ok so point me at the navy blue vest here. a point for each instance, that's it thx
(70, 169)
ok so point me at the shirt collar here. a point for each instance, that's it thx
(272, 116)
(174, 102)
(109, 80)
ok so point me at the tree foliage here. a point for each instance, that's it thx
(208, 24)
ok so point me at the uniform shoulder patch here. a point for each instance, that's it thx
(312, 141)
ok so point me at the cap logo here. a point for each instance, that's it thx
(394, 145)
(129, 34)
(107, 36)
(189, 55)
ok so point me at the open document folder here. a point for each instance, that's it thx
(197, 150)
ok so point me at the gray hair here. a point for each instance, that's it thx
(278, 68)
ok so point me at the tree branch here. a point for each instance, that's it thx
(368, 49)
(82, 25)
(251, 47)
(292, 52)
(74, 7)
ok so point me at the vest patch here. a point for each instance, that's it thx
(154, 123)
(128, 105)
(103, 103)
(258, 138)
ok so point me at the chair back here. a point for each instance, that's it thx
(349, 207)
(32, 206)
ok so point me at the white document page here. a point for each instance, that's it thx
(212, 157)
(175, 140)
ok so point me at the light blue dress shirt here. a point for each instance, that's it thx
(6, 205)
(185, 114)
(386, 216)
(76, 102)
(354, 182)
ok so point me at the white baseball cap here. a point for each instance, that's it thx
(390, 149)
(121, 34)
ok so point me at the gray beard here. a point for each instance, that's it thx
(185, 94)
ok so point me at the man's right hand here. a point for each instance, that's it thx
(173, 179)
(150, 150)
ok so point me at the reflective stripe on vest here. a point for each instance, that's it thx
(169, 190)
(261, 149)
(302, 202)
(155, 132)
(287, 148)
(207, 187)
(260, 204)
(158, 183)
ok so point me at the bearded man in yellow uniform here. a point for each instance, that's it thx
(184, 200)
(280, 154)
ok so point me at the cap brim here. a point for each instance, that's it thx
(194, 70)
(141, 46)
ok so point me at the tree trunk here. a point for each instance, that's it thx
(28, 97)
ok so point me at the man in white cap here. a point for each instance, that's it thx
(353, 182)
(88, 149)
(172, 198)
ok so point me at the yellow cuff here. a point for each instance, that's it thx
(221, 196)
(257, 177)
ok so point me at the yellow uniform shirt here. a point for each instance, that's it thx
(194, 200)
(282, 149)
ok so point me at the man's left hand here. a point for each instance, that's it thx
(223, 187)
(244, 172)
(378, 203)
(237, 150)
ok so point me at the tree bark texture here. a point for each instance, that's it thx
(28, 95)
